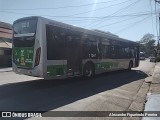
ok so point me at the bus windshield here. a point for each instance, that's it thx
(24, 33)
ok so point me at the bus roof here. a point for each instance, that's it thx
(82, 30)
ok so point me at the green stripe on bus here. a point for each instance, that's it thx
(106, 65)
(54, 70)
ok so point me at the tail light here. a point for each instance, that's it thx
(38, 54)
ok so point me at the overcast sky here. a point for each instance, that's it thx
(129, 19)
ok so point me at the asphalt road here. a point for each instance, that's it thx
(114, 91)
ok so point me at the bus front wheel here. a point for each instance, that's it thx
(89, 70)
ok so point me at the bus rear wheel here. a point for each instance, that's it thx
(130, 65)
(88, 70)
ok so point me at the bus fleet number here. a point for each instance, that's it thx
(92, 55)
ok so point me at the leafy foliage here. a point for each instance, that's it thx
(146, 38)
(147, 44)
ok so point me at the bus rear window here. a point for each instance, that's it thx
(25, 28)
(24, 33)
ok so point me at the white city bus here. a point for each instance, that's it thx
(51, 49)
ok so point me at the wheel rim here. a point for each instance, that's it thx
(89, 72)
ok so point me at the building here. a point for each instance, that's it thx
(5, 44)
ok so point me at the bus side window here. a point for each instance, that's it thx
(126, 52)
(116, 51)
(73, 44)
(122, 52)
(106, 51)
(93, 48)
(55, 43)
(85, 48)
(99, 48)
(90, 48)
(131, 52)
(113, 55)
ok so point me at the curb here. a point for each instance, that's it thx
(153, 95)
(5, 69)
(156, 74)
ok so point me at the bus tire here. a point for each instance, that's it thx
(130, 65)
(89, 70)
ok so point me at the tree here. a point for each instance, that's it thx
(150, 46)
(147, 44)
(146, 38)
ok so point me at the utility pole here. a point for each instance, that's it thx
(158, 47)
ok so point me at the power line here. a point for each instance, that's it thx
(152, 16)
(99, 8)
(131, 16)
(120, 10)
(65, 6)
(156, 19)
(127, 15)
(119, 16)
(67, 15)
(130, 25)
(71, 14)
(119, 21)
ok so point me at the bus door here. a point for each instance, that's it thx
(74, 59)
(136, 54)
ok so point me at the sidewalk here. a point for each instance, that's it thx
(153, 96)
(8, 69)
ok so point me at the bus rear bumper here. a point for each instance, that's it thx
(35, 72)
